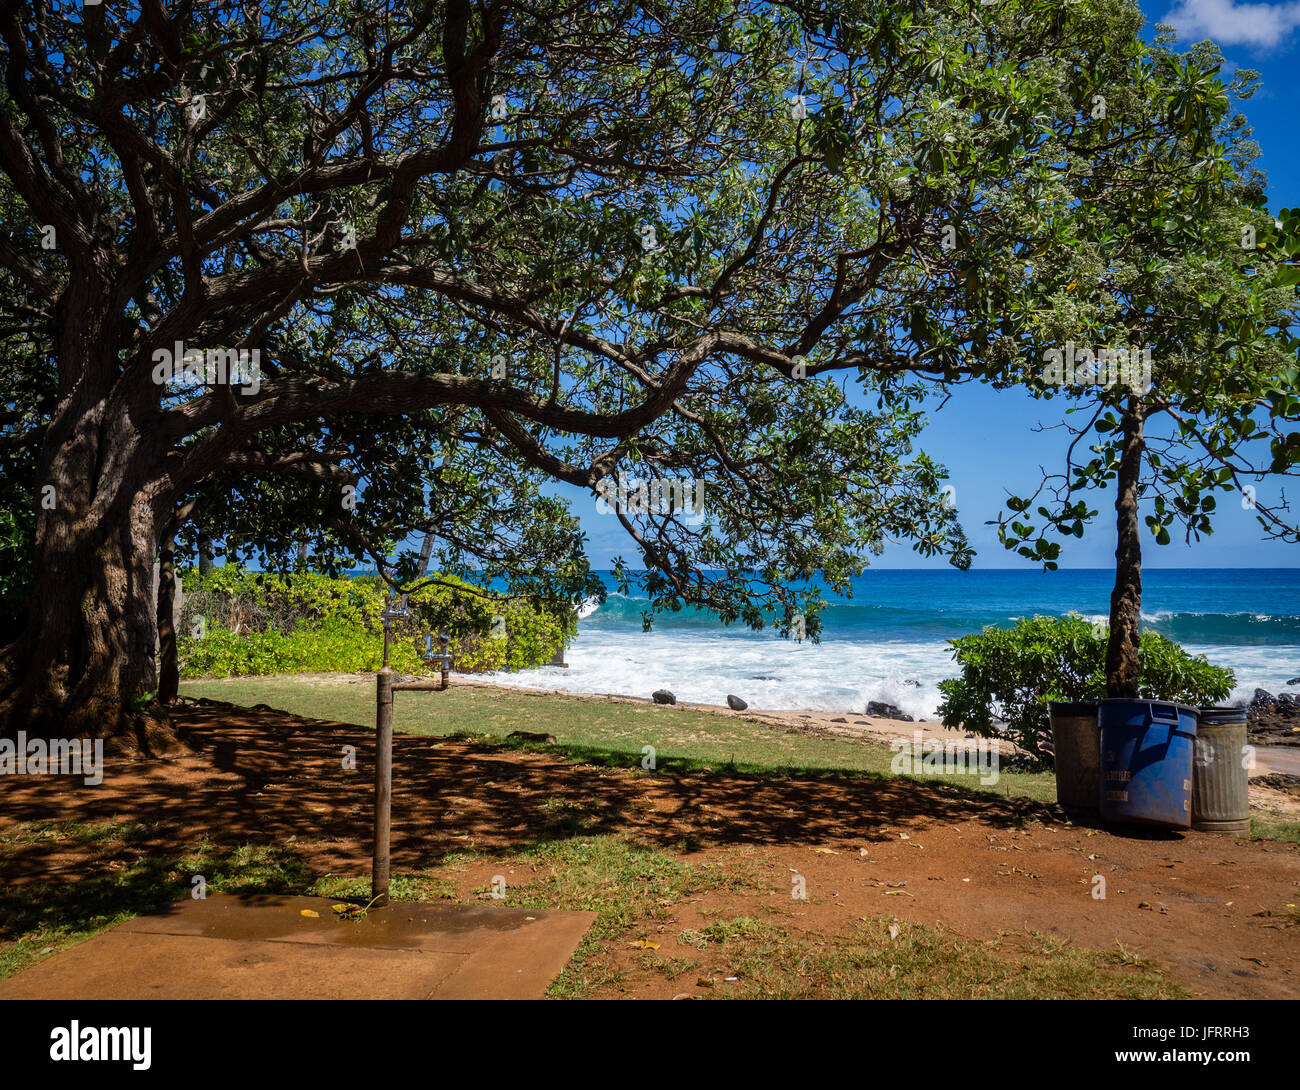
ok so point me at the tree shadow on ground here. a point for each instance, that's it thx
(271, 778)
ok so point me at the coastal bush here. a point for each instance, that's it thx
(236, 623)
(1008, 675)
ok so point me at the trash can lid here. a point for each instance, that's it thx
(1223, 715)
(1067, 707)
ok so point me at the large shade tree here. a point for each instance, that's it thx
(509, 242)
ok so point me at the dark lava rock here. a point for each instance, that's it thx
(839, 720)
(736, 704)
(1294, 681)
(1262, 699)
(887, 711)
(1279, 781)
(663, 696)
(914, 684)
(1273, 722)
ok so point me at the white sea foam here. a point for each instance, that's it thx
(770, 673)
(1256, 667)
(835, 676)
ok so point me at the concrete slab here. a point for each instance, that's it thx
(263, 947)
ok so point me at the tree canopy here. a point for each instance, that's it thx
(435, 255)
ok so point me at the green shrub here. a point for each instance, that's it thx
(1011, 673)
(236, 623)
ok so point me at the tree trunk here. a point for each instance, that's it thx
(1122, 665)
(205, 554)
(425, 551)
(84, 664)
(169, 676)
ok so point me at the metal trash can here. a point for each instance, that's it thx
(1220, 779)
(1076, 743)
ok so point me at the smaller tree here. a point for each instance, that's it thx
(1169, 324)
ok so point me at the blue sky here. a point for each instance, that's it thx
(986, 437)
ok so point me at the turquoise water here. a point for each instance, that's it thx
(1213, 605)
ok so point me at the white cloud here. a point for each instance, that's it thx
(1232, 23)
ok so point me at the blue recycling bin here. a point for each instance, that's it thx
(1147, 749)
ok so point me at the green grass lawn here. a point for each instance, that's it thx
(609, 733)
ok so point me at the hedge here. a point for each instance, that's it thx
(236, 623)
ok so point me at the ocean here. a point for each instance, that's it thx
(888, 641)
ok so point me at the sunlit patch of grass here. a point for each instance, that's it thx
(1265, 826)
(919, 962)
(670, 967)
(409, 888)
(623, 882)
(721, 930)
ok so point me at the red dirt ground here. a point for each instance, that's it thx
(1211, 910)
